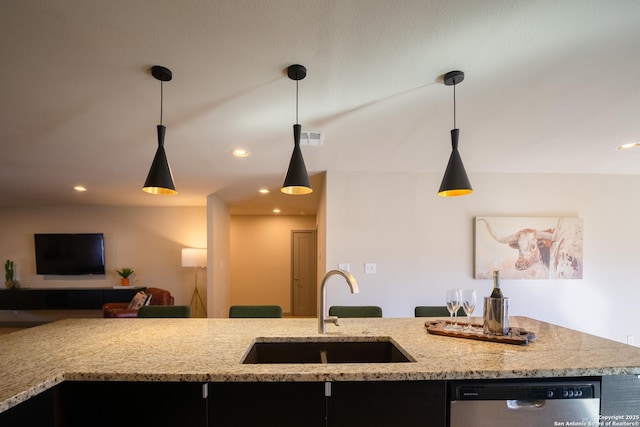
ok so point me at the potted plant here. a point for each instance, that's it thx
(9, 274)
(124, 275)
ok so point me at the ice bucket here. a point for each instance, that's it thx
(496, 316)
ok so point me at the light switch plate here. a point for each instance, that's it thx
(344, 266)
(370, 268)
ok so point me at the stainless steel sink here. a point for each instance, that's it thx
(369, 350)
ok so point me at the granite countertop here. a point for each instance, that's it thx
(202, 350)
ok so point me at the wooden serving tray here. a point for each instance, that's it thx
(516, 335)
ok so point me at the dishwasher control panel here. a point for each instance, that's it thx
(525, 390)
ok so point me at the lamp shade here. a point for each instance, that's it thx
(160, 179)
(297, 180)
(194, 257)
(455, 181)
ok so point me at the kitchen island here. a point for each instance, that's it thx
(211, 351)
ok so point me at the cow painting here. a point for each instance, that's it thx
(529, 248)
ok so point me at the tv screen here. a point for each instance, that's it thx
(69, 254)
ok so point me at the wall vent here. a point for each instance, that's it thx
(313, 139)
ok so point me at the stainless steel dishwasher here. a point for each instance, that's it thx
(524, 403)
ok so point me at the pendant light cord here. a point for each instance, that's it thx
(296, 101)
(454, 106)
(161, 99)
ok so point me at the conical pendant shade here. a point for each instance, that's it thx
(455, 181)
(160, 178)
(297, 180)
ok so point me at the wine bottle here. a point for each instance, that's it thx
(497, 293)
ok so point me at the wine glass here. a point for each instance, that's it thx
(468, 304)
(453, 304)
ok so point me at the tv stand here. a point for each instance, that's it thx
(63, 298)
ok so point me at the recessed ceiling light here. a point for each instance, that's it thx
(263, 191)
(276, 210)
(628, 146)
(80, 188)
(241, 152)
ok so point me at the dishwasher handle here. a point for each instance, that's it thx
(525, 404)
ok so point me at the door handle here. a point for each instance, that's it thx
(525, 404)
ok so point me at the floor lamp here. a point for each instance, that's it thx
(196, 258)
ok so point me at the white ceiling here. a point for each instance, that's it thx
(550, 87)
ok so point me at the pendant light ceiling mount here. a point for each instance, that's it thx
(455, 181)
(296, 72)
(297, 180)
(452, 78)
(160, 179)
(161, 73)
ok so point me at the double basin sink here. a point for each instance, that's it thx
(316, 350)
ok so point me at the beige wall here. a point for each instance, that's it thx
(423, 244)
(261, 258)
(149, 240)
(321, 238)
(218, 258)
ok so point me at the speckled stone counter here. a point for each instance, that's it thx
(202, 350)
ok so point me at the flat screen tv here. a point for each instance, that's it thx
(69, 254)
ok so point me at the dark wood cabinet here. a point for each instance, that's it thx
(352, 404)
(38, 411)
(266, 404)
(382, 403)
(277, 404)
(63, 299)
(140, 404)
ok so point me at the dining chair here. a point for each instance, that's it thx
(164, 311)
(355, 311)
(254, 311)
(434, 311)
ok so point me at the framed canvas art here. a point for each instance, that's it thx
(528, 247)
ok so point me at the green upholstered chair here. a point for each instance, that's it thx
(164, 311)
(251, 311)
(434, 311)
(355, 311)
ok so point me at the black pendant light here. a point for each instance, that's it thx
(455, 181)
(297, 179)
(160, 178)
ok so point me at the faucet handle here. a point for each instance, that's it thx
(331, 319)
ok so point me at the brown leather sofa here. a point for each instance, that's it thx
(121, 309)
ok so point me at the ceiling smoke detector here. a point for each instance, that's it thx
(313, 139)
